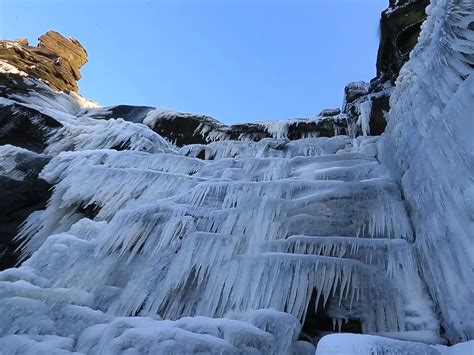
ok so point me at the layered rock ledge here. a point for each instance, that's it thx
(56, 60)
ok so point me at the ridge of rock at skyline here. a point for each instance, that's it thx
(56, 60)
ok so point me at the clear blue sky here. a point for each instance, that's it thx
(236, 60)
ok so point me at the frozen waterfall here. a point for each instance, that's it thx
(265, 225)
(233, 246)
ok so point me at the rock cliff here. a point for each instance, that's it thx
(56, 60)
(367, 103)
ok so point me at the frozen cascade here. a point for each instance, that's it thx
(153, 231)
(228, 247)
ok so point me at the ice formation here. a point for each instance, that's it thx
(134, 233)
(336, 344)
(428, 145)
(226, 247)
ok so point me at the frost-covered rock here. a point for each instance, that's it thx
(186, 128)
(367, 107)
(37, 123)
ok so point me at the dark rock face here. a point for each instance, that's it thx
(182, 129)
(379, 106)
(24, 134)
(135, 114)
(19, 197)
(25, 127)
(379, 101)
(186, 128)
(193, 130)
(21, 191)
(57, 60)
(399, 30)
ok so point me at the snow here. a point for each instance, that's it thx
(337, 344)
(38, 310)
(83, 102)
(7, 68)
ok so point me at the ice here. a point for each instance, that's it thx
(268, 147)
(11, 159)
(36, 344)
(336, 344)
(224, 247)
(174, 236)
(83, 102)
(428, 145)
(364, 117)
(82, 134)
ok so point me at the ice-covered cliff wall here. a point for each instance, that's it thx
(429, 146)
(137, 228)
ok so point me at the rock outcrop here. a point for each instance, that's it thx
(56, 61)
(188, 128)
(24, 135)
(400, 26)
(21, 193)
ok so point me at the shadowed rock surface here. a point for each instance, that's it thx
(400, 27)
(26, 127)
(19, 197)
(399, 30)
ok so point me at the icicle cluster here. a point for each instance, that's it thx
(428, 145)
(262, 225)
(144, 247)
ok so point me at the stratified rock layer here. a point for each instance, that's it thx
(57, 60)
